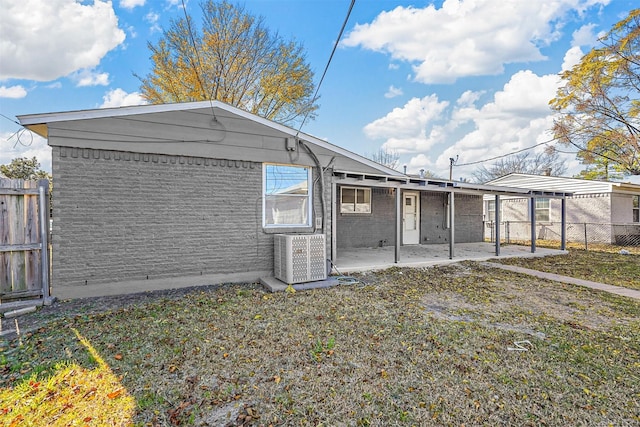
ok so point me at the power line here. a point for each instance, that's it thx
(335, 46)
(195, 69)
(508, 154)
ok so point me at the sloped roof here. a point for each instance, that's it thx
(43, 123)
(557, 183)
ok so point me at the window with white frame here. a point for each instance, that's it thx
(542, 209)
(491, 211)
(287, 195)
(355, 200)
(636, 208)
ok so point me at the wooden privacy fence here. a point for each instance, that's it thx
(24, 239)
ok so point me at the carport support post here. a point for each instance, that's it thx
(398, 223)
(532, 215)
(563, 231)
(497, 215)
(43, 210)
(334, 223)
(452, 224)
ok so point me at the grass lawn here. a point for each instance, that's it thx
(611, 268)
(457, 345)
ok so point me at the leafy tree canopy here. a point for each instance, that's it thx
(598, 104)
(547, 162)
(232, 58)
(24, 168)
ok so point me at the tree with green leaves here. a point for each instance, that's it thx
(599, 103)
(24, 168)
(232, 58)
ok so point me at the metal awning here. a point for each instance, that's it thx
(439, 185)
(411, 183)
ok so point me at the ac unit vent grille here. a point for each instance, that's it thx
(299, 258)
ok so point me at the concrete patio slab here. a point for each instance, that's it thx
(366, 259)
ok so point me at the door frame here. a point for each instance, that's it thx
(414, 237)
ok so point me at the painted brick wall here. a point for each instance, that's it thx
(126, 216)
(468, 218)
(591, 208)
(367, 230)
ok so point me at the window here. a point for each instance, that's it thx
(287, 196)
(542, 210)
(636, 208)
(491, 211)
(355, 200)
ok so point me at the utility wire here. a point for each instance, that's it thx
(335, 46)
(195, 51)
(506, 155)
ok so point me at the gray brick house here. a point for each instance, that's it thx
(152, 192)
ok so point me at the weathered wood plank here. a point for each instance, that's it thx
(17, 191)
(21, 247)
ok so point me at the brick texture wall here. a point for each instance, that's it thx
(468, 218)
(128, 216)
(368, 230)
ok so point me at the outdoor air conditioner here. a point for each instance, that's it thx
(299, 258)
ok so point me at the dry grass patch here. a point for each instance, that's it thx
(611, 268)
(435, 346)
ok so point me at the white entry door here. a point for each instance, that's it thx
(411, 218)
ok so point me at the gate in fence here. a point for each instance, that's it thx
(24, 240)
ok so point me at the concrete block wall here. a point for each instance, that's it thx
(129, 216)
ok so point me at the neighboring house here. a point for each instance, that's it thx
(200, 189)
(613, 206)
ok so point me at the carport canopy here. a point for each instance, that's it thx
(451, 188)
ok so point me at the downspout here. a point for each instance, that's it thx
(322, 198)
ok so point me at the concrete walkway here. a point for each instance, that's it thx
(631, 293)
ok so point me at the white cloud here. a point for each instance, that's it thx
(465, 38)
(572, 57)
(119, 98)
(14, 92)
(152, 18)
(90, 78)
(393, 92)
(518, 117)
(25, 144)
(584, 36)
(53, 38)
(410, 128)
(130, 4)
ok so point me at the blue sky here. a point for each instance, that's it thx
(430, 80)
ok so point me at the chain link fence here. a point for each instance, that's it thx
(582, 235)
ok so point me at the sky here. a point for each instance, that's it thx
(468, 80)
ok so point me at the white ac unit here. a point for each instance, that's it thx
(299, 258)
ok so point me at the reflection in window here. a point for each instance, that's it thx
(355, 200)
(542, 209)
(287, 195)
(636, 208)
